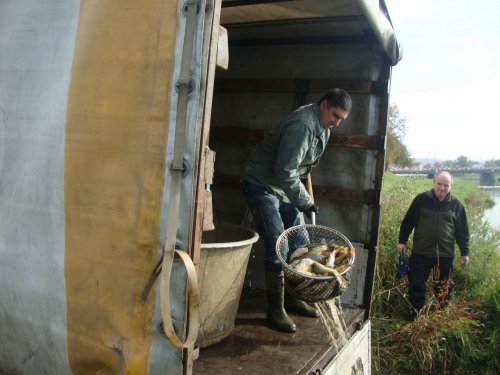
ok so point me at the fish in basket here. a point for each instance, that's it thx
(315, 259)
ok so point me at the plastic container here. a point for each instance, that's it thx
(224, 258)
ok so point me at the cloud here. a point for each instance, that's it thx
(446, 83)
(402, 11)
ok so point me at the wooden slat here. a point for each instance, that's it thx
(334, 193)
(344, 194)
(236, 134)
(338, 140)
(254, 85)
(290, 85)
(239, 3)
(353, 87)
(370, 142)
(308, 41)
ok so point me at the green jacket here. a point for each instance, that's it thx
(438, 225)
(287, 154)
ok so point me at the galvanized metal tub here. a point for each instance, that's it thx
(224, 258)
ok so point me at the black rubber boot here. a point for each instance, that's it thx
(413, 314)
(295, 304)
(276, 314)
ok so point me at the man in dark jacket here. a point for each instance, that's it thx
(275, 194)
(439, 220)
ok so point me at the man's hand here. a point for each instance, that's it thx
(401, 247)
(464, 260)
(310, 209)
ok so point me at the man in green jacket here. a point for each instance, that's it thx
(439, 220)
(277, 197)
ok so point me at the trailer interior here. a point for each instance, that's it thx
(284, 54)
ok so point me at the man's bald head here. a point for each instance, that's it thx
(442, 184)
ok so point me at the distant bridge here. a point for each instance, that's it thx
(452, 170)
(486, 178)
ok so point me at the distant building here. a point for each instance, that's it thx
(416, 166)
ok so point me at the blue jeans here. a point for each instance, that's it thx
(272, 216)
(420, 269)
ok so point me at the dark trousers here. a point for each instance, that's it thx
(272, 216)
(420, 269)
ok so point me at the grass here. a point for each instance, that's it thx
(461, 339)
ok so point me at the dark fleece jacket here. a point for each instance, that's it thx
(437, 224)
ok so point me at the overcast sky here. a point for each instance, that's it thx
(447, 85)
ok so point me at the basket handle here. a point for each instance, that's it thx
(309, 187)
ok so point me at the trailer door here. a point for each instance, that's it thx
(89, 109)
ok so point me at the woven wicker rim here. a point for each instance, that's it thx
(284, 235)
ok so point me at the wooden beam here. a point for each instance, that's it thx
(368, 197)
(297, 41)
(290, 85)
(236, 134)
(240, 3)
(372, 142)
(345, 194)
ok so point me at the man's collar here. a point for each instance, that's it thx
(318, 129)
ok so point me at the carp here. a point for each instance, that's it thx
(317, 248)
(297, 253)
(304, 265)
(321, 259)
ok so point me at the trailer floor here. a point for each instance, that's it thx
(254, 348)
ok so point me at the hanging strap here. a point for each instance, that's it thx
(176, 170)
(193, 302)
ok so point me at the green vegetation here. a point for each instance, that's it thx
(397, 153)
(464, 338)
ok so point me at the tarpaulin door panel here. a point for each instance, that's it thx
(118, 122)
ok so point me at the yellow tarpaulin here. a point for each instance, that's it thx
(117, 120)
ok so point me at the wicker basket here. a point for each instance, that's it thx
(311, 288)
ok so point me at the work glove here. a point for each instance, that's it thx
(310, 209)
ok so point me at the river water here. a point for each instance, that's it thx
(493, 214)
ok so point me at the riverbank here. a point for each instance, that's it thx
(460, 339)
(464, 188)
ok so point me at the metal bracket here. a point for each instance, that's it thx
(187, 4)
